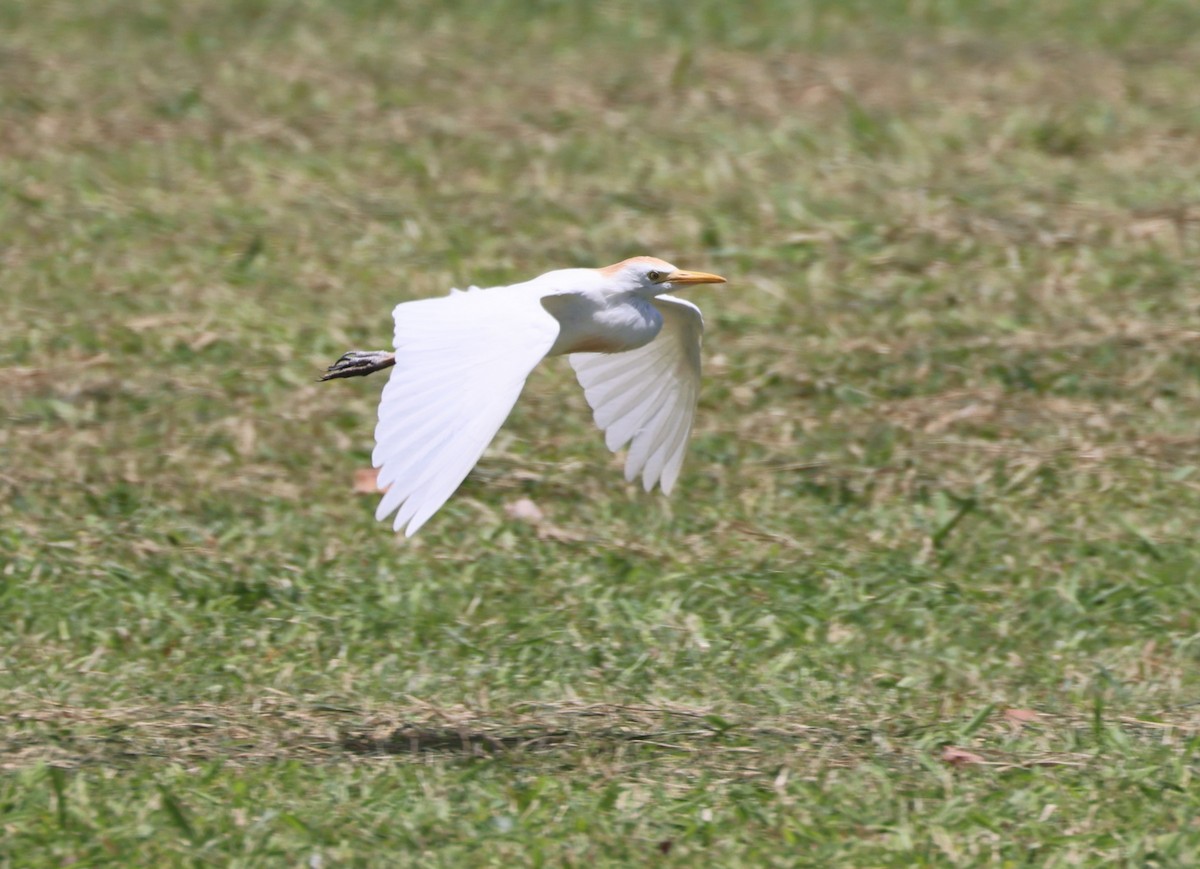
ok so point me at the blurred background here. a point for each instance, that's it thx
(942, 492)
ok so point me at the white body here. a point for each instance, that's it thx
(462, 360)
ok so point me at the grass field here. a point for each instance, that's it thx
(928, 592)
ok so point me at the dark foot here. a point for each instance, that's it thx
(360, 363)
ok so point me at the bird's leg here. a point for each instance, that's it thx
(360, 363)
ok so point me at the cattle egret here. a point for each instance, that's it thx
(462, 359)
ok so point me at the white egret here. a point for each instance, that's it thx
(462, 359)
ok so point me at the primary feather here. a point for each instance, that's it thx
(461, 362)
(648, 395)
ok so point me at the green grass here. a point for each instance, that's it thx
(942, 496)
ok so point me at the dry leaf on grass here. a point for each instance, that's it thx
(1020, 717)
(960, 756)
(524, 510)
(366, 481)
(203, 341)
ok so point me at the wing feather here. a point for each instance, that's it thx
(461, 362)
(647, 397)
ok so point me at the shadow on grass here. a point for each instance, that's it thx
(417, 739)
(452, 740)
(64, 737)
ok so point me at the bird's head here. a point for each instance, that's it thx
(649, 276)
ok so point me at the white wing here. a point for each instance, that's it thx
(649, 395)
(461, 361)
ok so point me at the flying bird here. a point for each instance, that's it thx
(461, 361)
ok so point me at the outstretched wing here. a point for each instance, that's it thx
(461, 361)
(648, 396)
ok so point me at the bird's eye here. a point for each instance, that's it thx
(655, 276)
